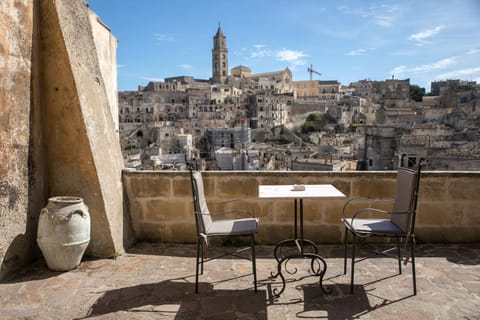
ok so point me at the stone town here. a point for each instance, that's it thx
(246, 121)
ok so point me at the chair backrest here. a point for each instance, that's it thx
(203, 220)
(406, 196)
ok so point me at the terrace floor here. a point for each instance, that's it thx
(157, 281)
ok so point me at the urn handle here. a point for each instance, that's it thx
(80, 212)
(49, 214)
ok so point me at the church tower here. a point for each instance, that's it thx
(219, 57)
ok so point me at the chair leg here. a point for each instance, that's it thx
(412, 248)
(198, 262)
(254, 266)
(345, 256)
(202, 256)
(354, 239)
(399, 257)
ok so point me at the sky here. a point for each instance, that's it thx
(347, 41)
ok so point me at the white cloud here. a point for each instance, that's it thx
(185, 66)
(473, 51)
(438, 65)
(400, 70)
(261, 51)
(421, 37)
(460, 73)
(381, 15)
(291, 56)
(355, 52)
(358, 52)
(163, 37)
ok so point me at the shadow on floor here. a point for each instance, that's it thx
(177, 299)
(340, 304)
(37, 270)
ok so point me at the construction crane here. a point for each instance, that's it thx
(310, 70)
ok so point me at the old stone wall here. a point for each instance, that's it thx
(82, 147)
(160, 203)
(57, 132)
(106, 47)
(22, 180)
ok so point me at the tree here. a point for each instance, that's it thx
(316, 122)
(416, 93)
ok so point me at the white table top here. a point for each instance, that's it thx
(287, 191)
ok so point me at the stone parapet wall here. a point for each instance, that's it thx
(160, 203)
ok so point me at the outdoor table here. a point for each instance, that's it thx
(298, 193)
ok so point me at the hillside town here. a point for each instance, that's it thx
(240, 120)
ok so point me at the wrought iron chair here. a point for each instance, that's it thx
(208, 227)
(399, 223)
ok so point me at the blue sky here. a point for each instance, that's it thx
(346, 41)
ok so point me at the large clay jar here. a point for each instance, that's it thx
(63, 232)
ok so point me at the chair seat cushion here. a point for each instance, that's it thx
(233, 227)
(373, 226)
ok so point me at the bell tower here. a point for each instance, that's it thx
(219, 57)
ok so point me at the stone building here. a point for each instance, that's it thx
(268, 110)
(219, 58)
(391, 92)
(326, 91)
(234, 138)
(448, 90)
(279, 82)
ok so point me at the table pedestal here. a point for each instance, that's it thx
(318, 266)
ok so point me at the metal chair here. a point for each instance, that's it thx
(207, 227)
(399, 223)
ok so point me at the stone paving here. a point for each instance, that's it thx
(157, 281)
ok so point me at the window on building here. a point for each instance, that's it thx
(412, 161)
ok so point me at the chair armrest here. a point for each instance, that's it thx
(223, 207)
(352, 201)
(224, 213)
(360, 211)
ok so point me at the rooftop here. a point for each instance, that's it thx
(157, 281)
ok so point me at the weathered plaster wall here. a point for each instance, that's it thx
(106, 45)
(57, 133)
(22, 187)
(160, 203)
